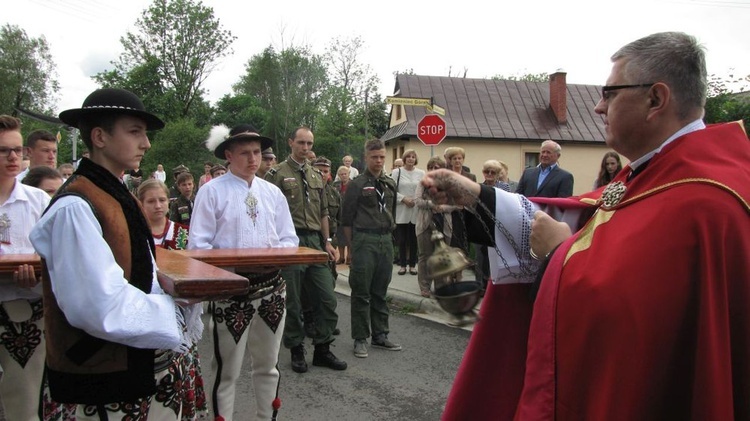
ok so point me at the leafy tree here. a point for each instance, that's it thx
(177, 45)
(353, 108)
(527, 77)
(407, 72)
(28, 78)
(179, 142)
(143, 79)
(288, 85)
(722, 105)
(239, 109)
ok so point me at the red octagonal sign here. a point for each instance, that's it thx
(431, 129)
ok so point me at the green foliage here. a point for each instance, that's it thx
(179, 142)
(352, 108)
(723, 105)
(288, 86)
(27, 72)
(240, 109)
(177, 45)
(65, 146)
(407, 72)
(527, 77)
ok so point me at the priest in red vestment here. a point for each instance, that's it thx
(643, 313)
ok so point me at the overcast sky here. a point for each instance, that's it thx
(484, 37)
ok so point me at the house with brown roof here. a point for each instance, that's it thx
(504, 120)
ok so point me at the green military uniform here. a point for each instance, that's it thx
(308, 204)
(334, 216)
(370, 216)
(334, 211)
(181, 209)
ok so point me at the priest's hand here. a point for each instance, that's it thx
(546, 234)
(449, 187)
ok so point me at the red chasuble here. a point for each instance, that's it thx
(644, 314)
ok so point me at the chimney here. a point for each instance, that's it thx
(558, 96)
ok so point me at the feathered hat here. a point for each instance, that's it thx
(221, 137)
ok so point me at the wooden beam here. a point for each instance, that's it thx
(246, 260)
(183, 277)
(197, 273)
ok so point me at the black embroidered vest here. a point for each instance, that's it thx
(81, 368)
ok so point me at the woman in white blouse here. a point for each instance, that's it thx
(407, 179)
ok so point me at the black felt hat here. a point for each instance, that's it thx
(111, 101)
(219, 141)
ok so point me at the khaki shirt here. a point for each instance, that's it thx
(334, 208)
(181, 209)
(361, 208)
(307, 210)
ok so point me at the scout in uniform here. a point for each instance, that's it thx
(367, 221)
(303, 187)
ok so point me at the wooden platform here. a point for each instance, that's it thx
(253, 260)
(198, 274)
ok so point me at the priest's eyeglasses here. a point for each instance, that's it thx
(6, 151)
(607, 89)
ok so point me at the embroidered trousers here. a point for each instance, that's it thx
(22, 359)
(165, 405)
(254, 326)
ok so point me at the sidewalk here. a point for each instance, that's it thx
(404, 292)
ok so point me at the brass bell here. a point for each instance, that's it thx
(445, 260)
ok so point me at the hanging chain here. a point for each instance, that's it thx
(525, 264)
(528, 268)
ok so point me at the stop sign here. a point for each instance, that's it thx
(431, 129)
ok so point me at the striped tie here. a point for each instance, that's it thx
(381, 195)
(305, 186)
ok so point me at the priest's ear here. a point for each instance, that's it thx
(660, 98)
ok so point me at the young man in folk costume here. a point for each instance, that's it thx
(109, 325)
(21, 324)
(240, 210)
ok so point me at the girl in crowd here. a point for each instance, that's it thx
(44, 178)
(170, 235)
(611, 165)
(206, 177)
(407, 179)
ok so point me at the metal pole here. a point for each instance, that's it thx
(73, 135)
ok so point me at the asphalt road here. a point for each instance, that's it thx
(408, 385)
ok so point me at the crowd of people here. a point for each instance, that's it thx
(620, 303)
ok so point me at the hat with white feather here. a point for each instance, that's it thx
(220, 138)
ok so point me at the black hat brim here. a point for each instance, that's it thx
(73, 117)
(265, 143)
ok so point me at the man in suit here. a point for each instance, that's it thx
(546, 179)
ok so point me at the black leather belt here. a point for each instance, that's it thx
(261, 284)
(380, 231)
